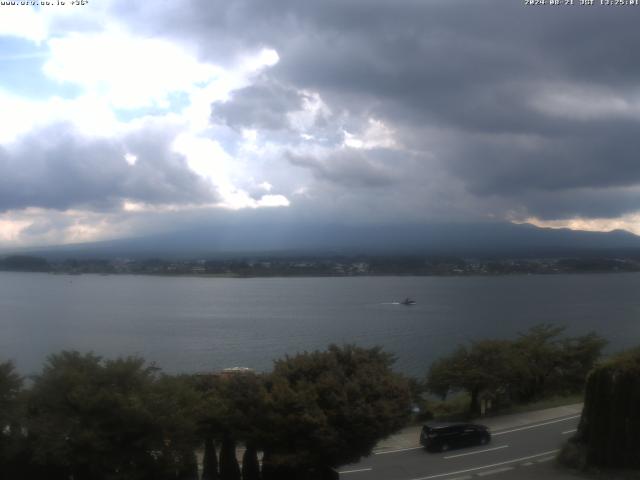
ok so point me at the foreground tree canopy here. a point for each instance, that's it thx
(86, 418)
(332, 407)
(537, 364)
(11, 419)
(93, 419)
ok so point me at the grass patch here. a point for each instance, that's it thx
(456, 408)
(543, 404)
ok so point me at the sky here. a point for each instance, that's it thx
(120, 118)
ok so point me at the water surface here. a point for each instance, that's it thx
(187, 324)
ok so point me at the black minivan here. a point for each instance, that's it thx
(441, 437)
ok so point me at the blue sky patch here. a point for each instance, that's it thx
(21, 63)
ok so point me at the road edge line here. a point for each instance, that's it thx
(494, 434)
(439, 475)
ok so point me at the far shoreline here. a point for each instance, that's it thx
(328, 275)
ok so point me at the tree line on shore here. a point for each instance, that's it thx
(87, 418)
(324, 265)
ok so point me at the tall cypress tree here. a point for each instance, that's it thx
(229, 468)
(210, 460)
(250, 465)
(610, 423)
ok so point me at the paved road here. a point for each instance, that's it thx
(512, 452)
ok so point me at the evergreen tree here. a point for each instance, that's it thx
(229, 468)
(250, 464)
(609, 428)
(12, 441)
(210, 460)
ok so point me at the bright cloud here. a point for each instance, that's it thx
(205, 157)
(127, 71)
(630, 222)
(10, 230)
(88, 114)
(375, 135)
(130, 159)
(23, 22)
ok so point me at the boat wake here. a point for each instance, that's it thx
(406, 301)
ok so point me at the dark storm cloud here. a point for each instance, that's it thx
(478, 70)
(600, 154)
(263, 105)
(350, 167)
(570, 203)
(57, 168)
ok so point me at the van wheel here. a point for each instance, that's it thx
(483, 440)
(444, 447)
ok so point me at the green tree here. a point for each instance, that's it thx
(229, 468)
(95, 419)
(210, 424)
(250, 464)
(11, 417)
(539, 354)
(552, 364)
(329, 408)
(486, 367)
(209, 460)
(244, 401)
(538, 363)
(233, 412)
(173, 402)
(578, 357)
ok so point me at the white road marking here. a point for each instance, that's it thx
(356, 471)
(535, 426)
(545, 459)
(569, 431)
(527, 464)
(477, 451)
(497, 470)
(399, 450)
(439, 475)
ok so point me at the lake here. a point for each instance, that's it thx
(187, 324)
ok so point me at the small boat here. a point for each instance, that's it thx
(408, 301)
